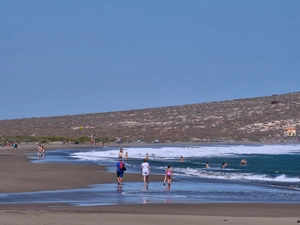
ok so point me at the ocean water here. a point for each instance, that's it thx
(271, 175)
(268, 165)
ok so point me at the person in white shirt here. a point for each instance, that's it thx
(145, 169)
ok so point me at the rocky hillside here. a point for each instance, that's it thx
(254, 119)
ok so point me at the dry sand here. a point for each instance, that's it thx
(18, 174)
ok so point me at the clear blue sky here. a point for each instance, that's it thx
(66, 57)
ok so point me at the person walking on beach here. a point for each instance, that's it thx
(168, 175)
(145, 169)
(120, 171)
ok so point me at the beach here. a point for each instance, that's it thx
(19, 174)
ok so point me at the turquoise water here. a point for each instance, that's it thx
(267, 164)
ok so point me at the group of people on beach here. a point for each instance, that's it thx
(13, 144)
(145, 169)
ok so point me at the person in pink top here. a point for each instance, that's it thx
(168, 175)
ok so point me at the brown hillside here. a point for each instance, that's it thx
(244, 119)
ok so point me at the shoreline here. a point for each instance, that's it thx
(19, 174)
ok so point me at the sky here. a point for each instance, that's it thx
(69, 57)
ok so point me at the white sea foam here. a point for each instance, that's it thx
(169, 153)
(165, 154)
(228, 175)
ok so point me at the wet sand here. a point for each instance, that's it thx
(18, 174)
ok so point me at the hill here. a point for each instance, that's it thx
(254, 119)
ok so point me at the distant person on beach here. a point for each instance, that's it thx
(145, 169)
(207, 165)
(120, 171)
(15, 146)
(181, 159)
(126, 155)
(43, 151)
(39, 155)
(168, 176)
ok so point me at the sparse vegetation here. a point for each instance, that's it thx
(44, 139)
(252, 119)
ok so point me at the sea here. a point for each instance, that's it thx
(272, 175)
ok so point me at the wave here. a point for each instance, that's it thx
(159, 155)
(228, 175)
(171, 153)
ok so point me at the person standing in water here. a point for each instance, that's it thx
(181, 159)
(168, 175)
(43, 152)
(224, 164)
(39, 155)
(120, 171)
(121, 153)
(145, 169)
(243, 162)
